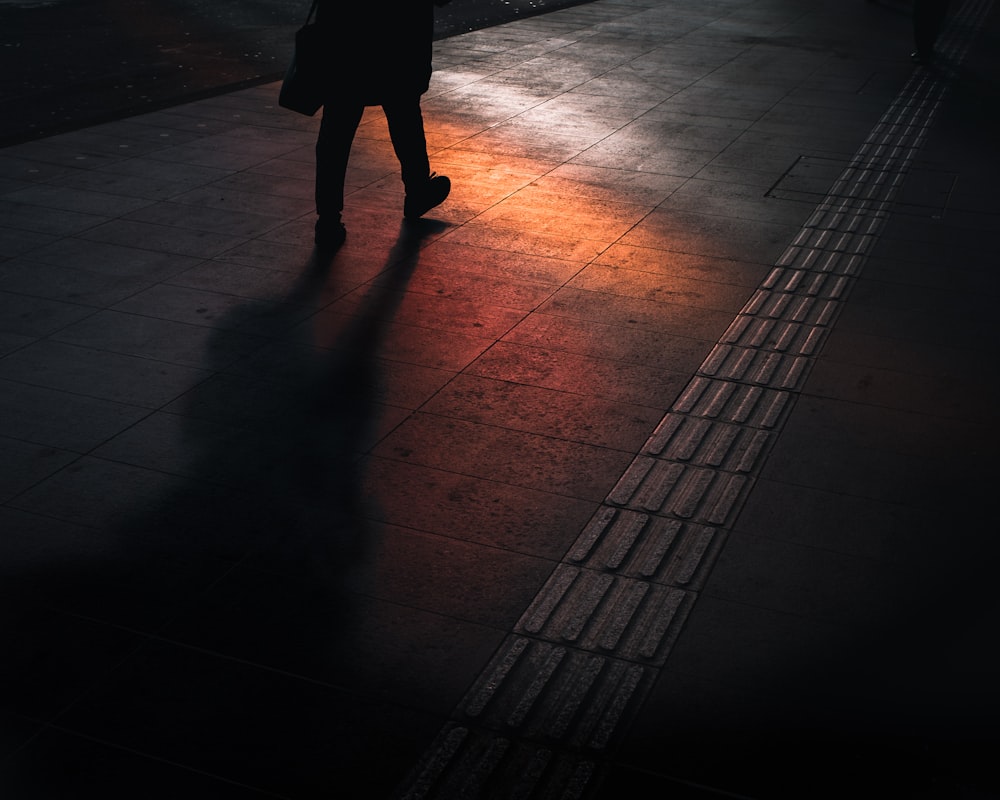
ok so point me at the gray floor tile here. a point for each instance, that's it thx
(844, 467)
(15, 731)
(645, 155)
(843, 590)
(944, 328)
(143, 187)
(680, 307)
(497, 264)
(160, 340)
(125, 261)
(254, 401)
(639, 347)
(609, 183)
(25, 464)
(660, 260)
(50, 281)
(150, 508)
(38, 316)
(575, 470)
(848, 524)
(63, 198)
(565, 415)
(524, 520)
(228, 221)
(175, 176)
(707, 235)
(97, 577)
(268, 284)
(270, 181)
(435, 348)
(536, 209)
(163, 238)
(58, 763)
(943, 394)
(94, 373)
(755, 649)
(15, 242)
(20, 164)
(881, 352)
(213, 154)
(95, 493)
(9, 342)
(730, 199)
(216, 310)
(266, 254)
(391, 636)
(167, 687)
(60, 419)
(454, 279)
(52, 222)
(775, 159)
(543, 365)
(58, 657)
(471, 316)
(10, 185)
(198, 448)
(220, 197)
(67, 153)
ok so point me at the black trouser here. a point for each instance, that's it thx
(928, 18)
(336, 134)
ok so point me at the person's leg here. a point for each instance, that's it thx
(333, 150)
(406, 129)
(922, 38)
(928, 18)
(940, 14)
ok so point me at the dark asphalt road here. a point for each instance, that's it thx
(65, 64)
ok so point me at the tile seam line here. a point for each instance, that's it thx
(888, 150)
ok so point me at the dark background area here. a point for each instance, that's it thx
(66, 64)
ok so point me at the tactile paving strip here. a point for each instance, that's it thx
(545, 711)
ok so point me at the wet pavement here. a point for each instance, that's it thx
(653, 463)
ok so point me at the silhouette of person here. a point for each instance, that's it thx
(928, 18)
(385, 49)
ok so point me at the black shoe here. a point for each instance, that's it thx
(329, 235)
(922, 56)
(419, 201)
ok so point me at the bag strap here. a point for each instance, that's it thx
(312, 10)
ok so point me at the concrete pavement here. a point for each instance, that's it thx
(654, 463)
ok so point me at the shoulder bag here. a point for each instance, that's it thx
(303, 87)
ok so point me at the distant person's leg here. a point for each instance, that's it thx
(333, 151)
(928, 19)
